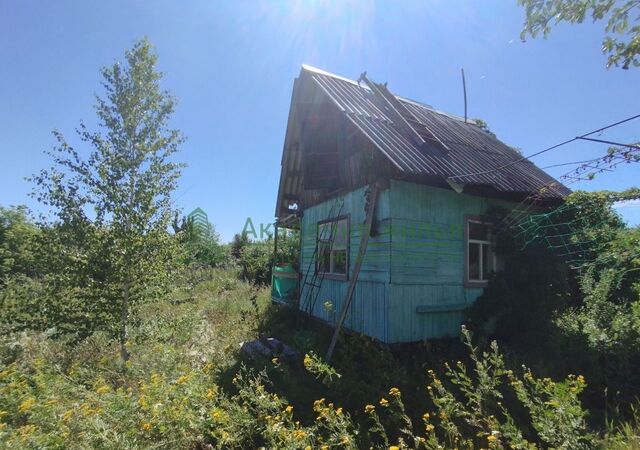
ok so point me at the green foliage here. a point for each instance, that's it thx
(256, 259)
(240, 240)
(520, 301)
(18, 236)
(622, 40)
(484, 126)
(113, 207)
(201, 245)
(585, 318)
(186, 389)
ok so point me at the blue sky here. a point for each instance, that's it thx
(232, 65)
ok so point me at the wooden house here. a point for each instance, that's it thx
(389, 196)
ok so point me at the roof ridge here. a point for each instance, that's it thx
(317, 70)
(333, 75)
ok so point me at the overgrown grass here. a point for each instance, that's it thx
(188, 385)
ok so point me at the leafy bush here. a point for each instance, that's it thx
(200, 244)
(18, 239)
(86, 398)
(256, 259)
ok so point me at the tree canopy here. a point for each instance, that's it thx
(622, 30)
(113, 208)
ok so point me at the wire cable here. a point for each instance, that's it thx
(553, 147)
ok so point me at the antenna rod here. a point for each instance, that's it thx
(464, 90)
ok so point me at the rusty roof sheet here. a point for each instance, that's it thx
(473, 156)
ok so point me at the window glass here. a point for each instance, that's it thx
(324, 258)
(481, 261)
(340, 240)
(340, 261)
(486, 265)
(474, 261)
(324, 232)
(478, 231)
(333, 245)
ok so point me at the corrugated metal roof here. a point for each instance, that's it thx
(472, 156)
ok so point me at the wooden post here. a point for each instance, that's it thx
(364, 240)
(275, 243)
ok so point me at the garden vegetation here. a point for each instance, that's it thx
(121, 325)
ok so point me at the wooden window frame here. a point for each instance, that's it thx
(333, 275)
(494, 263)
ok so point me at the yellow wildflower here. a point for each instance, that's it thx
(369, 409)
(384, 402)
(288, 409)
(67, 415)
(27, 404)
(183, 379)
(394, 392)
(425, 417)
(580, 379)
(491, 438)
(103, 389)
(3, 413)
(146, 426)
(308, 361)
(274, 361)
(324, 447)
(394, 447)
(299, 435)
(429, 427)
(26, 430)
(339, 411)
(318, 404)
(212, 392)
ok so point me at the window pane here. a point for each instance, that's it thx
(474, 261)
(478, 231)
(323, 258)
(341, 233)
(340, 261)
(487, 267)
(324, 232)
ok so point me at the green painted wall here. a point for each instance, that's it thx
(411, 286)
(368, 311)
(427, 293)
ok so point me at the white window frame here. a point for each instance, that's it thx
(334, 223)
(491, 258)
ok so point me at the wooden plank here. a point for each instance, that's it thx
(425, 309)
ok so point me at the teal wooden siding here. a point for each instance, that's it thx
(411, 286)
(368, 311)
(427, 297)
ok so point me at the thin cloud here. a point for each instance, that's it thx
(628, 204)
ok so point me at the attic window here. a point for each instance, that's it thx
(333, 247)
(480, 258)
